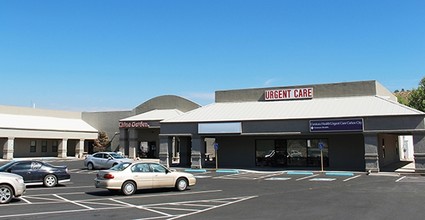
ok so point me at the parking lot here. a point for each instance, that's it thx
(243, 194)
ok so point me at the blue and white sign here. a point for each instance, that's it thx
(215, 146)
(337, 125)
(321, 145)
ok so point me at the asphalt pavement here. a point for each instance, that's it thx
(245, 194)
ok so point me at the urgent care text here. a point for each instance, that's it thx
(294, 93)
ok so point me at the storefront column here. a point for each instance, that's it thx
(184, 153)
(371, 152)
(133, 143)
(419, 152)
(165, 147)
(79, 149)
(197, 150)
(8, 148)
(62, 148)
(123, 140)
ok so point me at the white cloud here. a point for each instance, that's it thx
(269, 82)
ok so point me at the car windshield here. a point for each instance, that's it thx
(116, 156)
(120, 166)
(6, 166)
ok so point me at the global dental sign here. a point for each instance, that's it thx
(285, 94)
(133, 124)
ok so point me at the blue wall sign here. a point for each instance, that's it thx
(336, 125)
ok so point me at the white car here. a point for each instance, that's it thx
(11, 185)
(104, 160)
(129, 177)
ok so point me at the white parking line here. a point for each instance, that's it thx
(23, 199)
(177, 209)
(141, 207)
(323, 179)
(278, 178)
(46, 213)
(87, 208)
(214, 207)
(52, 188)
(400, 179)
(307, 177)
(73, 202)
(351, 178)
(201, 176)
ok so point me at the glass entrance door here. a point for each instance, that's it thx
(297, 152)
(271, 153)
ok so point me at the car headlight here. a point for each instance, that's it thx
(19, 180)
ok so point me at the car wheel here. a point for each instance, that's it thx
(90, 166)
(181, 184)
(50, 180)
(128, 188)
(6, 194)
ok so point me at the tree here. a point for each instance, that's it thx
(101, 142)
(417, 97)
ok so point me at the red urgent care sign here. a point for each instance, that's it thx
(292, 93)
(133, 124)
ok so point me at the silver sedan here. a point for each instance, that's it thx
(129, 177)
(102, 160)
(11, 185)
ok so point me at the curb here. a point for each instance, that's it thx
(339, 174)
(195, 170)
(227, 171)
(299, 173)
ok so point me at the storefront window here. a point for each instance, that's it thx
(44, 146)
(55, 146)
(264, 151)
(315, 149)
(33, 146)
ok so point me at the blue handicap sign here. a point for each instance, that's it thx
(215, 146)
(321, 145)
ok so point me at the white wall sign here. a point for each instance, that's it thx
(292, 93)
(220, 128)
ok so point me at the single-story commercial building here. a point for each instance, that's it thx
(30, 132)
(341, 126)
(33, 132)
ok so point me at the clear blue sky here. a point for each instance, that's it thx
(96, 55)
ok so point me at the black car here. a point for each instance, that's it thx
(38, 172)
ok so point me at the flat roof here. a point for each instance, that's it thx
(338, 107)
